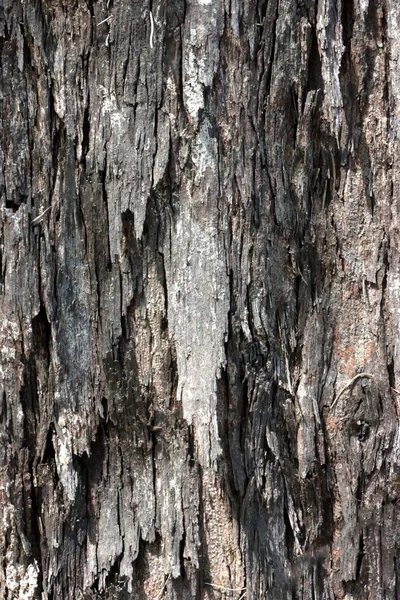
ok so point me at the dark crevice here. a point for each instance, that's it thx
(15, 204)
(390, 370)
(153, 442)
(173, 376)
(361, 554)
(141, 567)
(114, 582)
(347, 23)
(315, 80)
(104, 405)
(36, 535)
(205, 572)
(191, 448)
(41, 333)
(103, 181)
(289, 536)
(85, 133)
(165, 289)
(49, 452)
(224, 418)
(90, 5)
(182, 553)
(360, 488)
(37, 362)
(3, 409)
(262, 10)
(57, 134)
(133, 249)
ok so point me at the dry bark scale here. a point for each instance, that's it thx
(199, 299)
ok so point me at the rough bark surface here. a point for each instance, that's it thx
(199, 255)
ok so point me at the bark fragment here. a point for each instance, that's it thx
(198, 270)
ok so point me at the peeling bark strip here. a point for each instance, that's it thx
(199, 299)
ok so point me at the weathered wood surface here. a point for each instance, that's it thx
(199, 252)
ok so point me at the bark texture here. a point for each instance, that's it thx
(199, 299)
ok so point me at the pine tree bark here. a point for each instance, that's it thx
(199, 299)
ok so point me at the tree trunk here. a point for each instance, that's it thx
(200, 299)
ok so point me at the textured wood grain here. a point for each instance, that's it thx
(199, 232)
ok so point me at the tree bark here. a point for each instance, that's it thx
(199, 299)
